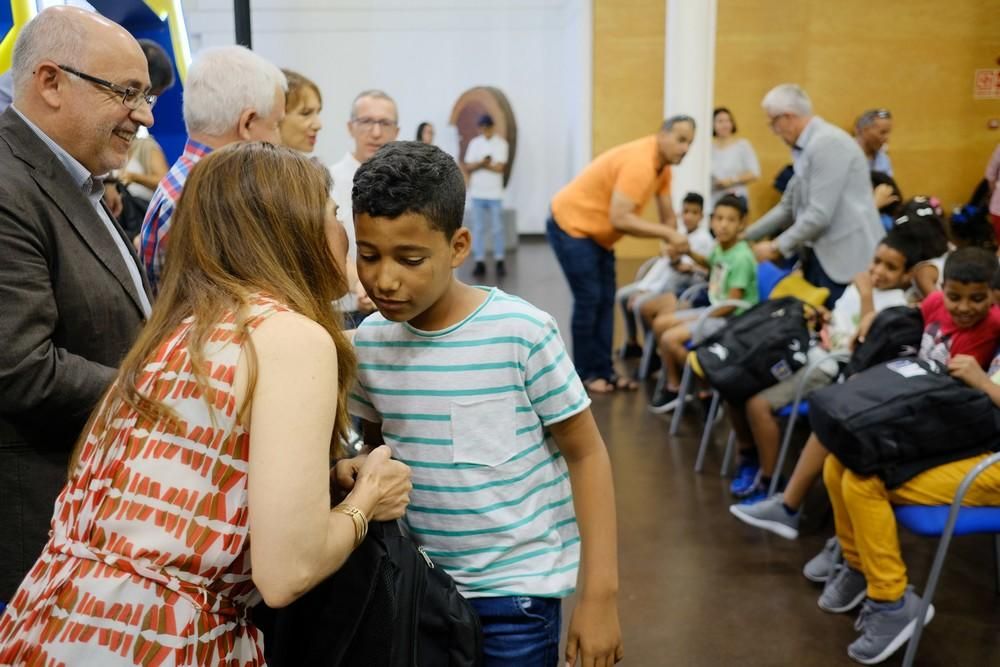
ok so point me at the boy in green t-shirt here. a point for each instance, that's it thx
(732, 275)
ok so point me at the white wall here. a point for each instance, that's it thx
(425, 56)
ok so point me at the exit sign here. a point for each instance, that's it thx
(987, 84)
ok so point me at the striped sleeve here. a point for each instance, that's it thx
(550, 379)
(359, 403)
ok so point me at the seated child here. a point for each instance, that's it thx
(665, 278)
(966, 283)
(474, 390)
(866, 529)
(732, 275)
(881, 286)
(921, 218)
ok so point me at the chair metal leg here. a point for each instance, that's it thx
(996, 560)
(786, 442)
(932, 581)
(942, 551)
(648, 350)
(682, 392)
(727, 458)
(706, 433)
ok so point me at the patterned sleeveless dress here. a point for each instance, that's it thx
(148, 559)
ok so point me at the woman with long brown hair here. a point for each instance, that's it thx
(219, 427)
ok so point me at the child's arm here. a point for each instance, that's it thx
(698, 259)
(735, 293)
(965, 368)
(926, 278)
(594, 630)
(863, 283)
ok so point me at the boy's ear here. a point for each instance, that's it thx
(461, 244)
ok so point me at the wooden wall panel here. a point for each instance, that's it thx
(915, 57)
(628, 81)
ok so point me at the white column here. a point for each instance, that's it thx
(689, 74)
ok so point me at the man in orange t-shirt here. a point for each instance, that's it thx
(598, 207)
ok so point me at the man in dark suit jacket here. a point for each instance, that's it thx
(72, 295)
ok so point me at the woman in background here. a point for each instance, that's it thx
(734, 162)
(425, 133)
(303, 104)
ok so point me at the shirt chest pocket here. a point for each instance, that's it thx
(482, 430)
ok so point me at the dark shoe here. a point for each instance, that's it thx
(480, 270)
(663, 401)
(630, 351)
(501, 269)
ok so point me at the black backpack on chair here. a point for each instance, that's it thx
(387, 606)
(900, 418)
(756, 349)
(895, 332)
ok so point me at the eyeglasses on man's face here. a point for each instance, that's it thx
(131, 97)
(772, 121)
(369, 124)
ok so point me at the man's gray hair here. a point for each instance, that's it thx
(669, 123)
(787, 98)
(225, 81)
(51, 35)
(375, 94)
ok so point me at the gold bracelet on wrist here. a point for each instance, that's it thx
(359, 519)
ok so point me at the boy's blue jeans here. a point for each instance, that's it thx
(520, 630)
(590, 271)
(481, 209)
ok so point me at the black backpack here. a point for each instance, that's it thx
(902, 417)
(895, 332)
(756, 349)
(387, 606)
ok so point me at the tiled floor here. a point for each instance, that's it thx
(699, 588)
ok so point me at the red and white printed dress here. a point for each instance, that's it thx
(148, 562)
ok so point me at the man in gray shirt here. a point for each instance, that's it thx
(827, 214)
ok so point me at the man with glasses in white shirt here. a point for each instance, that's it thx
(72, 294)
(374, 123)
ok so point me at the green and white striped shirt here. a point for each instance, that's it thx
(466, 407)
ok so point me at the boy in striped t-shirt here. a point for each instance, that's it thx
(473, 389)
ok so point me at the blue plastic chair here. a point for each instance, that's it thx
(946, 521)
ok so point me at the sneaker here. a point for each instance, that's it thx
(884, 631)
(663, 401)
(501, 268)
(746, 477)
(754, 493)
(480, 270)
(820, 566)
(768, 514)
(843, 591)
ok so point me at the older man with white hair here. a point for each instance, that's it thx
(72, 295)
(231, 94)
(827, 214)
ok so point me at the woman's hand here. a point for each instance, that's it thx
(381, 486)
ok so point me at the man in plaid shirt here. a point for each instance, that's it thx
(231, 95)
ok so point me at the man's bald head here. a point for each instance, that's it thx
(64, 35)
(71, 71)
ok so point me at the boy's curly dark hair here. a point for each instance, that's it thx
(970, 265)
(411, 177)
